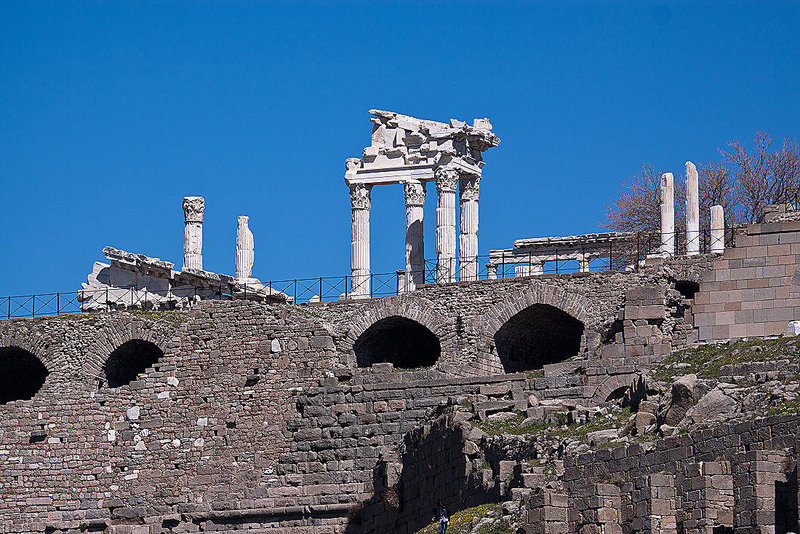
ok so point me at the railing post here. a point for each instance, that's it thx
(371, 276)
(636, 265)
(556, 261)
(320, 289)
(33, 305)
(295, 291)
(9, 307)
(58, 303)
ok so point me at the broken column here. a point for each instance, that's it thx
(469, 188)
(692, 210)
(667, 215)
(717, 230)
(193, 209)
(359, 244)
(415, 245)
(244, 249)
(446, 184)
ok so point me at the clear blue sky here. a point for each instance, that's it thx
(111, 112)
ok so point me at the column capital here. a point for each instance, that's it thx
(446, 179)
(193, 209)
(469, 187)
(360, 196)
(415, 192)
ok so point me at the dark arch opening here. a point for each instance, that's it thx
(21, 374)
(130, 359)
(397, 340)
(538, 335)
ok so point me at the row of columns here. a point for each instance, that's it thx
(449, 181)
(692, 216)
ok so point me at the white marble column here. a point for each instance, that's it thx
(446, 184)
(491, 271)
(717, 230)
(245, 255)
(692, 210)
(359, 243)
(667, 215)
(415, 244)
(193, 209)
(468, 187)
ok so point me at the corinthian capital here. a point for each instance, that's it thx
(446, 180)
(415, 193)
(360, 196)
(469, 187)
(193, 209)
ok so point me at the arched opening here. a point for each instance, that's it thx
(130, 359)
(538, 335)
(397, 340)
(21, 374)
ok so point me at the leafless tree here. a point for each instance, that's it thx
(717, 188)
(638, 206)
(762, 176)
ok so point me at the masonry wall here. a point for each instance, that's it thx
(256, 416)
(752, 289)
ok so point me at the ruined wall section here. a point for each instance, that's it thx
(753, 289)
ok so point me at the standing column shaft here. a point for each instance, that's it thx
(717, 230)
(468, 240)
(667, 215)
(446, 184)
(359, 244)
(415, 244)
(692, 210)
(244, 248)
(193, 209)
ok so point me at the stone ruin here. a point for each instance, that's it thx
(131, 280)
(248, 414)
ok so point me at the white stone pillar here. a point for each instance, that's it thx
(491, 271)
(446, 184)
(692, 210)
(469, 187)
(359, 243)
(583, 264)
(717, 230)
(415, 244)
(667, 215)
(537, 268)
(193, 209)
(245, 255)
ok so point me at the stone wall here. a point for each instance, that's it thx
(753, 288)
(257, 416)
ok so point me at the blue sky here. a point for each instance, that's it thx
(111, 112)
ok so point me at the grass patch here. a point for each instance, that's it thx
(461, 521)
(706, 361)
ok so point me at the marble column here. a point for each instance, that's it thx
(415, 244)
(245, 254)
(717, 230)
(359, 243)
(468, 187)
(491, 271)
(193, 209)
(446, 185)
(692, 210)
(667, 215)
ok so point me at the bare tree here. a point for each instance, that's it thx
(638, 206)
(762, 176)
(716, 188)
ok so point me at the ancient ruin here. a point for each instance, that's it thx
(649, 387)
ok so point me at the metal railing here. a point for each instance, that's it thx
(627, 255)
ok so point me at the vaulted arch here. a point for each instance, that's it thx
(538, 335)
(129, 360)
(397, 340)
(22, 374)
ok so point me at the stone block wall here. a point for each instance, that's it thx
(752, 289)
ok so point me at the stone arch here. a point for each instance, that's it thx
(129, 360)
(22, 374)
(611, 386)
(398, 340)
(549, 301)
(117, 332)
(38, 345)
(413, 308)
